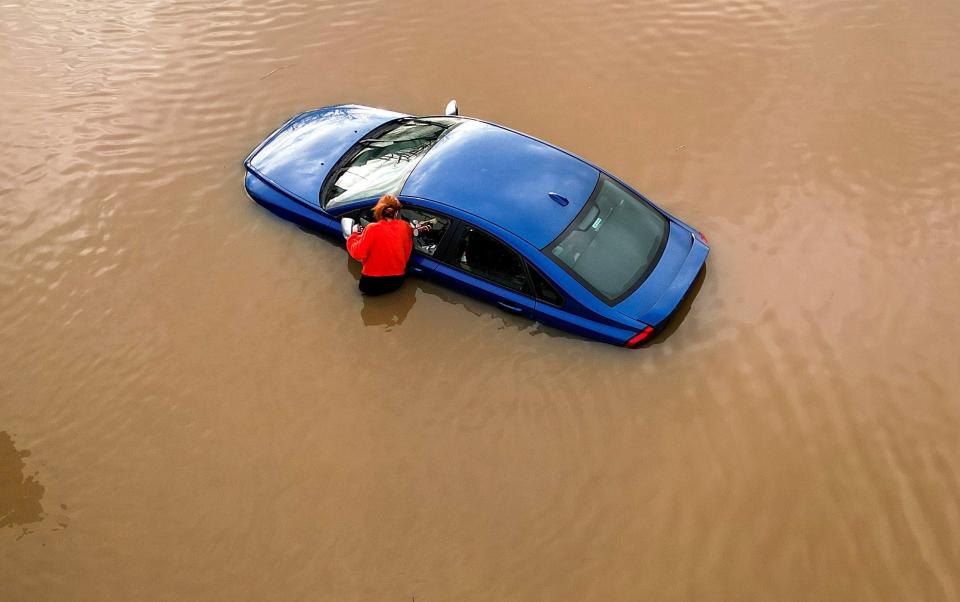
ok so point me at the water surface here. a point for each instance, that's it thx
(216, 413)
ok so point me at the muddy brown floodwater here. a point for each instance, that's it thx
(195, 402)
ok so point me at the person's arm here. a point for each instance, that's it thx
(358, 245)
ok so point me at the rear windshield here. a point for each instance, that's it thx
(613, 242)
(379, 164)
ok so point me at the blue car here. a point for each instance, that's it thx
(499, 215)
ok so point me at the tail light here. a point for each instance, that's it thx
(640, 337)
(703, 237)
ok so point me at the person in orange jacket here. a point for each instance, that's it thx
(383, 248)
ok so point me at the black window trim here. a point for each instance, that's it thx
(531, 270)
(590, 200)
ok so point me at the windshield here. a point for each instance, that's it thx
(613, 242)
(380, 164)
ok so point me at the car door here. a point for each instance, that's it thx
(432, 230)
(483, 266)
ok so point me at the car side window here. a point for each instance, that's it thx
(482, 255)
(545, 291)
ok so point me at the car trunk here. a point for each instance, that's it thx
(665, 287)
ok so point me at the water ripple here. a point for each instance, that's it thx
(204, 377)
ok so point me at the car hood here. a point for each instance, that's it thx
(297, 157)
(669, 281)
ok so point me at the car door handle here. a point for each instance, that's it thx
(510, 307)
(416, 269)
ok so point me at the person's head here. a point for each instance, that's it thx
(388, 207)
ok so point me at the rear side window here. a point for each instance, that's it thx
(486, 257)
(544, 289)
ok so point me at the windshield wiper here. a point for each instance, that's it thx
(420, 121)
(370, 141)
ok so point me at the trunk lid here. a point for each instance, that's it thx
(670, 280)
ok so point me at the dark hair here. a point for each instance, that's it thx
(387, 207)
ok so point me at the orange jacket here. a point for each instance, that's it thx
(383, 248)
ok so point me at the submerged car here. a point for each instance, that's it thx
(500, 215)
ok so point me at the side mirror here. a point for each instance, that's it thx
(452, 108)
(346, 226)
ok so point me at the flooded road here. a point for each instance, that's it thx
(196, 403)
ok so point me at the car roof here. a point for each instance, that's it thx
(504, 177)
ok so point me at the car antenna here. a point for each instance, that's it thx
(558, 199)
